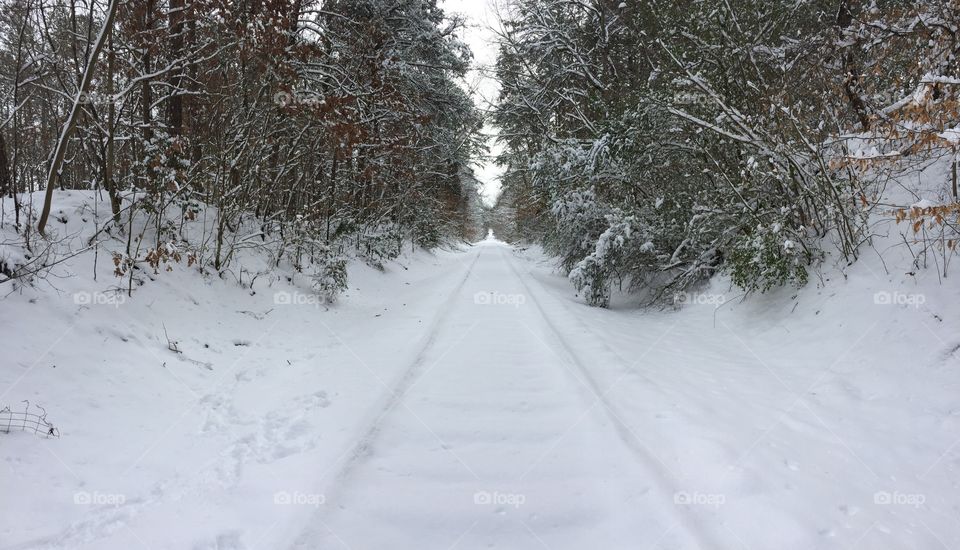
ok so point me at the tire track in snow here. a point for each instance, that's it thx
(395, 394)
(662, 476)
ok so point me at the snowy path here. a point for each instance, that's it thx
(497, 436)
(467, 399)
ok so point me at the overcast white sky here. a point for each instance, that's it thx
(480, 37)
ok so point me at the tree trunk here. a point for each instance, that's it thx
(6, 182)
(175, 103)
(61, 148)
(146, 92)
(110, 161)
(851, 80)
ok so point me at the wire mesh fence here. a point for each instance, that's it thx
(27, 421)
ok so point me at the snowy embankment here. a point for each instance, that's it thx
(177, 449)
(466, 398)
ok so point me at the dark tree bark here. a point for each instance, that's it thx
(56, 160)
(110, 158)
(6, 182)
(851, 80)
(175, 103)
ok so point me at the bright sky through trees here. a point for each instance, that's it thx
(480, 36)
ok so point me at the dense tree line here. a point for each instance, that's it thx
(657, 143)
(321, 124)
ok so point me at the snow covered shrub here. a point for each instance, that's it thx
(330, 276)
(591, 279)
(14, 259)
(162, 167)
(381, 244)
(579, 219)
(766, 258)
(679, 247)
(302, 239)
(427, 232)
(594, 274)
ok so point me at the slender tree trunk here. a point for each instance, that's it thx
(146, 92)
(108, 179)
(192, 123)
(61, 148)
(175, 103)
(953, 173)
(14, 189)
(6, 182)
(333, 192)
(851, 80)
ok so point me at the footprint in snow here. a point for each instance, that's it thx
(849, 510)
(313, 400)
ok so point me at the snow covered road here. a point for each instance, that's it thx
(467, 399)
(497, 436)
(528, 420)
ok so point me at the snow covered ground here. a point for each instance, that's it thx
(467, 399)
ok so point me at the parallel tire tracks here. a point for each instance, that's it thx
(661, 476)
(394, 397)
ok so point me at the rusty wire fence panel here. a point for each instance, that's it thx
(27, 421)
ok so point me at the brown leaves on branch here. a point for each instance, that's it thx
(155, 257)
(929, 215)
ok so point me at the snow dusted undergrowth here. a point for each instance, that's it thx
(466, 398)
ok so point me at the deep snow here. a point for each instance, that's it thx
(468, 399)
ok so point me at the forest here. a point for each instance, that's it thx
(298, 128)
(646, 144)
(652, 144)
